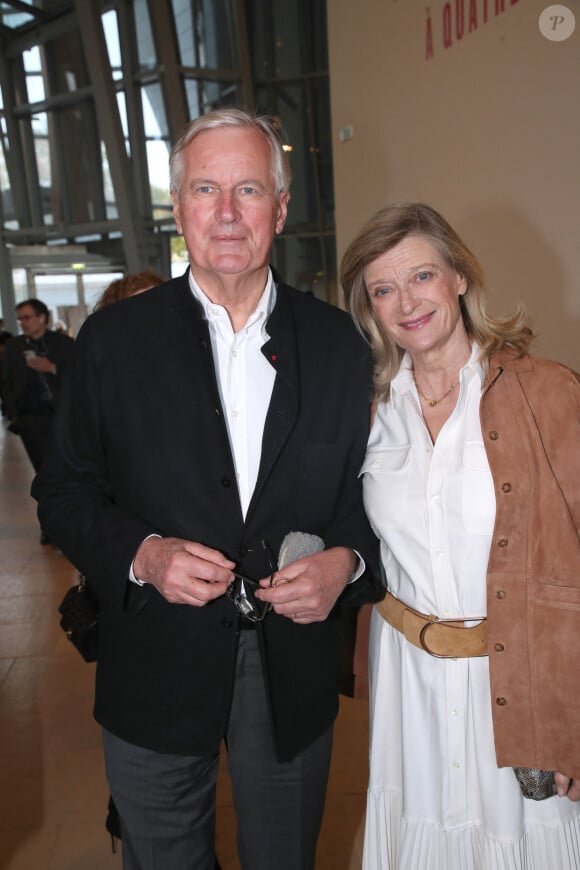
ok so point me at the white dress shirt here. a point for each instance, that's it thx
(245, 380)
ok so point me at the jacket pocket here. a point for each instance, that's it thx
(554, 652)
(385, 475)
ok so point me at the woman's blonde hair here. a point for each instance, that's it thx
(387, 228)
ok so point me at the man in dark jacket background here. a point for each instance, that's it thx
(32, 369)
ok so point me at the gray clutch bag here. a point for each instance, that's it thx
(535, 784)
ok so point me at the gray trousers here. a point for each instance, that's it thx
(167, 802)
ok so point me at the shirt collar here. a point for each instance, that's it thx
(404, 382)
(260, 314)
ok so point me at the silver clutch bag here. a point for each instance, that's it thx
(535, 784)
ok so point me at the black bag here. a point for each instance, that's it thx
(80, 619)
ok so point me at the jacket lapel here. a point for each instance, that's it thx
(193, 345)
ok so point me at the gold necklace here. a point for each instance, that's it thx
(433, 402)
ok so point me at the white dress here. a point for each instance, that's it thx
(436, 799)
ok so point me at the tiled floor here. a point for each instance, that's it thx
(53, 792)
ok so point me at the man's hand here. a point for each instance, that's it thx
(567, 786)
(41, 364)
(184, 572)
(306, 590)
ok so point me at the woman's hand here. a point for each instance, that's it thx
(568, 787)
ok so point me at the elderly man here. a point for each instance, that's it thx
(204, 421)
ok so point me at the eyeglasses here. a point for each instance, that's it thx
(241, 592)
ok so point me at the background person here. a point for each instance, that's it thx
(128, 285)
(32, 371)
(204, 421)
(472, 483)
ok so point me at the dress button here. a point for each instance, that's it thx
(501, 594)
(493, 435)
(226, 481)
(501, 702)
(227, 622)
(498, 647)
(503, 542)
(506, 487)
(203, 343)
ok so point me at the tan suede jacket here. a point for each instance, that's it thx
(530, 415)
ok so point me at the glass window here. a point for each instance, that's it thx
(145, 44)
(65, 59)
(307, 262)
(108, 187)
(122, 107)
(154, 117)
(111, 31)
(8, 211)
(10, 17)
(31, 60)
(158, 163)
(33, 70)
(206, 33)
(203, 96)
(21, 289)
(83, 169)
(57, 291)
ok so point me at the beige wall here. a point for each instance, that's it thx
(487, 131)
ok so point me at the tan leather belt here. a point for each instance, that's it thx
(442, 638)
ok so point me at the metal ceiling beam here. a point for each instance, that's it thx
(111, 131)
(167, 49)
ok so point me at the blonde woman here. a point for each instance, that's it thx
(472, 483)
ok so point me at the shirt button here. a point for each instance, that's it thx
(454, 713)
(226, 481)
(234, 353)
(501, 702)
(498, 647)
(218, 413)
(493, 435)
(501, 594)
(456, 764)
(203, 343)
(506, 487)
(503, 542)
(236, 414)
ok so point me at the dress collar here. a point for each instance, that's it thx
(404, 383)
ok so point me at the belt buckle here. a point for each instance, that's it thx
(424, 631)
(437, 621)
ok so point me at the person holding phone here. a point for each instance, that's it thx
(32, 371)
